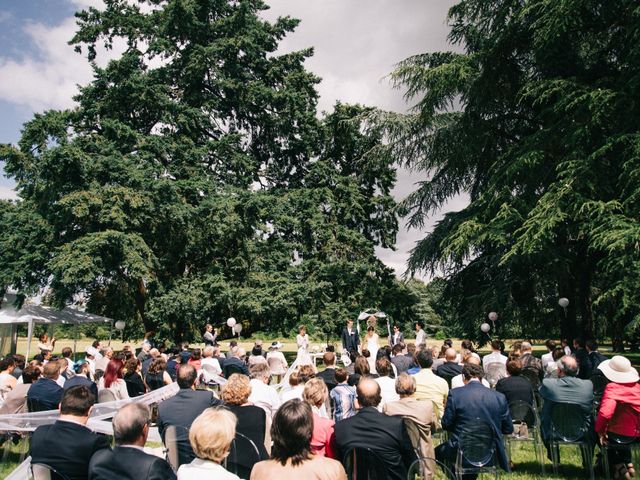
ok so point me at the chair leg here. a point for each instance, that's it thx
(604, 451)
(555, 454)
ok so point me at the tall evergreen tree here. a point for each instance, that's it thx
(194, 180)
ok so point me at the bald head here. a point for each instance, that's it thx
(472, 360)
(567, 366)
(368, 393)
(450, 355)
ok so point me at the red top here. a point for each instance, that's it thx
(620, 410)
(323, 438)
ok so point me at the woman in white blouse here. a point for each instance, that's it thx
(113, 379)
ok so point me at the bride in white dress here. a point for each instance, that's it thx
(371, 342)
(302, 339)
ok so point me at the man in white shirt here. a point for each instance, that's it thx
(421, 335)
(495, 356)
(262, 395)
(547, 358)
(458, 381)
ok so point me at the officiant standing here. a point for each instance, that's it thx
(350, 338)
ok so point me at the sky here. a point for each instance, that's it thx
(356, 45)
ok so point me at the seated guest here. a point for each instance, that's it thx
(173, 362)
(212, 364)
(582, 356)
(291, 457)
(68, 445)
(154, 353)
(15, 401)
(113, 379)
(467, 348)
(400, 359)
(7, 380)
(277, 363)
(210, 435)
(343, 396)
(617, 421)
(465, 407)
(329, 372)
(128, 460)
(304, 373)
(45, 394)
(82, 378)
(234, 363)
(495, 356)
(547, 358)
(515, 387)
(257, 356)
(19, 364)
(196, 358)
(567, 388)
(386, 436)
(232, 343)
(450, 368)
(428, 385)
(531, 363)
(323, 439)
(361, 369)
(594, 355)
(157, 375)
(420, 412)
(106, 356)
(351, 366)
(181, 409)
(552, 367)
(387, 384)
(133, 378)
(458, 381)
(437, 359)
(263, 395)
(252, 420)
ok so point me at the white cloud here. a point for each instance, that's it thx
(7, 193)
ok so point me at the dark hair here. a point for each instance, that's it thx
(424, 358)
(469, 371)
(366, 353)
(514, 367)
(592, 344)
(341, 375)
(256, 351)
(158, 365)
(95, 343)
(495, 344)
(550, 344)
(66, 352)
(467, 345)
(448, 343)
(371, 328)
(383, 367)
(113, 372)
(420, 324)
(187, 375)
(411, 348)
(397, 348)
(196, 354)
(131, 365)
(353, 355)
(305, 372)
(19, 360)
(579, 341)
(557, 353)
(6, 362)
(291, 432)
(30, 374)
(361, 366)
(77, 401)
(329, 358)
(331, 348)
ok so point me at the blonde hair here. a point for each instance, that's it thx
(212, 432)
(237, 389)
(315, 392)
(208, 351)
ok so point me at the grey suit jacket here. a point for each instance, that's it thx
(564, 390)
(420, 413)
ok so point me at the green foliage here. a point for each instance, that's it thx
(194, 181)
(535, 120)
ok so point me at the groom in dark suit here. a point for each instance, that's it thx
(350, 338)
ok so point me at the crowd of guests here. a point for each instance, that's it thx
(392, 405)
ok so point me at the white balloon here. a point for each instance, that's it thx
(493, 316)
(231, 322)
(563, 302)
(485, 327)
(237, 328)
(119, 325)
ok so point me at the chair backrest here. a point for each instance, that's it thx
(495, 371)
(448, 378)
(106, 395)
(243, 455)
(210, 369)
(36, 406)
(569, 422)
(177, 445)
(429, 469)
(523, 412)
(599, 383)
(477, 444)
(40, 471)
(533, 375)
(276, 366)
(231, 369)
(364, 464)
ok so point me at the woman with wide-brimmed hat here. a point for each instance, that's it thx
(618, 421)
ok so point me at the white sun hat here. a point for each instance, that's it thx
(619, 370)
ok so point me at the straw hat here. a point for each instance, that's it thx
(619, 370)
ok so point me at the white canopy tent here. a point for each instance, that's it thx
(32, 313)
